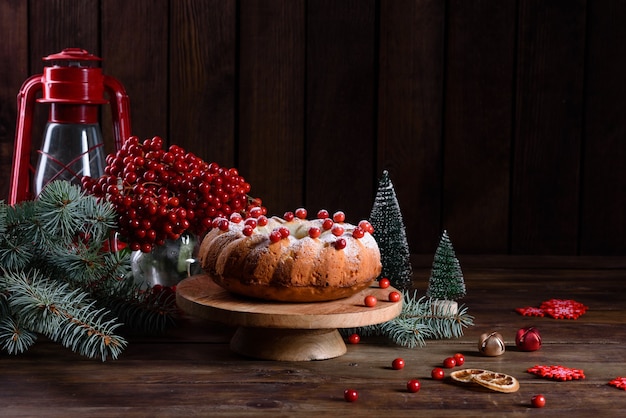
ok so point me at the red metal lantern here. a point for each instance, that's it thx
(74, 86)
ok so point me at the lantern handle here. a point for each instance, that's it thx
(120, 110)
(20, 176)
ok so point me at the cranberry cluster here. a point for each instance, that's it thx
(159, 194)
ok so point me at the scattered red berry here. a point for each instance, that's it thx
(354, 338)
(449, 362)
(397, 364)
(395, 297)
(370, 301)
(413, 385)
(384, 283)
(350, 395)
(289, 216)
(437, 373)
(275, 236)
(460, 359)
(314, 232)
(327, 224)
(538, 401)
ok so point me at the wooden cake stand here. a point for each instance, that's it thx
(284, 331)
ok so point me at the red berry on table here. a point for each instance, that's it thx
(350, 395)
(437, 373)
(449, 362)
(413, 385)
(354, 338)
(397, 364)
(370, 300)
(339, 216)
(460, 359)
(384, 283)
(301, 213)
(395, 297)
(538, 401)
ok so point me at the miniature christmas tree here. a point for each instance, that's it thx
(390, 234)
(57, 278)
(446, 278)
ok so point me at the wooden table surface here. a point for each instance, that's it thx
(192, 372)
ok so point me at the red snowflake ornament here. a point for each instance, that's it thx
(557, 372)
(619, 382)
(563, 309)
(555, 308)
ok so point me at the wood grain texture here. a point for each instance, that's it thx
(545, 184)
(498, 120)
(603, 228)
(135, 52)
(192, 371)
(340, 113)
(14, 70)
(271, 101)
(202, 76)
(478, 123)
(410, 106)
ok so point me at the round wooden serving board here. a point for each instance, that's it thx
(284, 331)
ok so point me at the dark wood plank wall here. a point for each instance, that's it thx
(501, 121)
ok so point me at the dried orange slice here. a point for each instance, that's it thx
(466, 375)
(500, 382)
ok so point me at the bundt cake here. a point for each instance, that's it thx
(291, 259)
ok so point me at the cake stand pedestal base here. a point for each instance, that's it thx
(284, 331)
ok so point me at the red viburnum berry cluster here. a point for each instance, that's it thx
(161, 193)
(555, 308)
(557, 372)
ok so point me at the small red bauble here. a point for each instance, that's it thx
(370, 301)
(538, 401)
(460, 359)
(413, 385)
(528, 339)
(384, 283)
(437, 373)
(449, 362)
(397, 364)
(394, 297)
(354, 338)
(350, 395)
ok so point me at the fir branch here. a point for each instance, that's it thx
(13, 337)
(63, 315)
(419, 320)
(59, 208)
